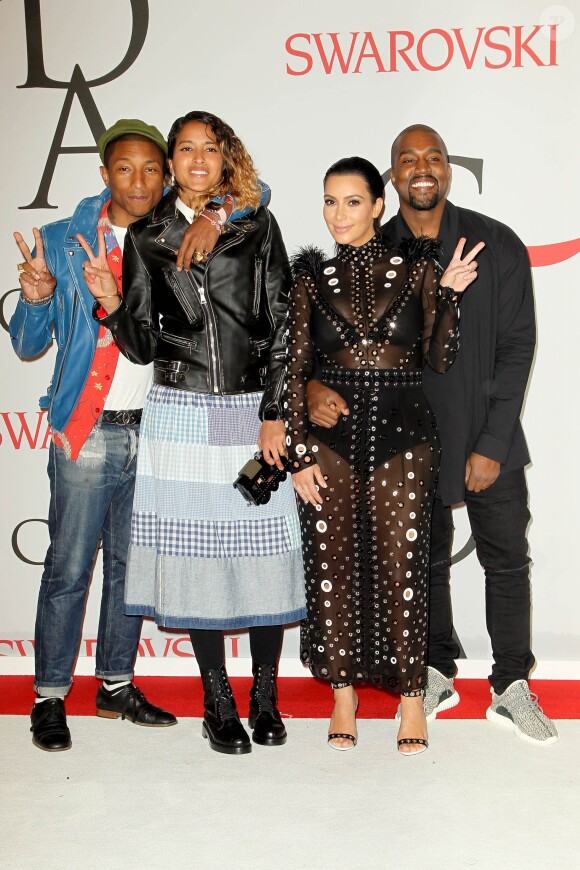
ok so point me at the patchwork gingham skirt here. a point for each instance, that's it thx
(200, 556)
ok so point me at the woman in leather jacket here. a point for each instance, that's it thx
(200, 558)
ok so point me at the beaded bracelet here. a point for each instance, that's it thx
(217, 223)
(219, 210)
(42, 301)
(449, 293)
(220, 214)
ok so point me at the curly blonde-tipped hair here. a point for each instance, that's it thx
(239, 176)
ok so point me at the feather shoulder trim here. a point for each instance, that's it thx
(307, 262)
(417, 248)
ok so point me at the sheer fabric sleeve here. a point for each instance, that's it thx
(440, 320)
(301, 359)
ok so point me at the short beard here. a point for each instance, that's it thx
(424, 204)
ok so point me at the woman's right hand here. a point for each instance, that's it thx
(305, 483)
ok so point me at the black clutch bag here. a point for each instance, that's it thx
(258, 480)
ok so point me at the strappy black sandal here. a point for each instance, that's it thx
(344, 737)
(413, 741)
(350, 737)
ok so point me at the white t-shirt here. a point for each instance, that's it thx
(131, 382)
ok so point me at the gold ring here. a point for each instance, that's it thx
(21, 268)
(198, 257)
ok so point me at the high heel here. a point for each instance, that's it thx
(406, 741)
(221, 723)
(335, 735)
(420, 742)
(264, 717)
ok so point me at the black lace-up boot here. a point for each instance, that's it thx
(264, 718)
(221, 723)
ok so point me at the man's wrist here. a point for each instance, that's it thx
(42, 301)
(98, 308)
(213, 218)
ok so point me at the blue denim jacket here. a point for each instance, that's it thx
(68, 314)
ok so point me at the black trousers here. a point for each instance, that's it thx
(499, 518)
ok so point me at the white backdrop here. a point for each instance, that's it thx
(303, 84)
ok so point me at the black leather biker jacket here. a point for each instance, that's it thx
(217, 328)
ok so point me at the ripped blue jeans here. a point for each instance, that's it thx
(90, 498)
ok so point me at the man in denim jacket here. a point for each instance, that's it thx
(94, 406)
(94, 411)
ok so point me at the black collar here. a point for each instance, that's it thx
(371, 250)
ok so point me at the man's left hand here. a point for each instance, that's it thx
(480, 472)
(98, 276)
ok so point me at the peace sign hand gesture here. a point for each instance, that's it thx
(98, 276)
(36, 282)
(461, 271)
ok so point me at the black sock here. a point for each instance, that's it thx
(208, 646)
(265, 642)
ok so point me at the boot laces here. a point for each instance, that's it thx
(264, 692)
(226, 703)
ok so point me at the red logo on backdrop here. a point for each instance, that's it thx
(157, 647)
(434, 50)
(549, 255)
(28, 429)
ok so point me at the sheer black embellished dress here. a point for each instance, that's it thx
(364, 323)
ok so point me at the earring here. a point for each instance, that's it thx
(172, 180)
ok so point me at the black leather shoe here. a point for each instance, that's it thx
(129, 702)
(264, 717)
(49, 728)
(221, 723)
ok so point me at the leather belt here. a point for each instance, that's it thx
(122, 418)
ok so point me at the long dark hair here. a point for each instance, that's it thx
(239, 176)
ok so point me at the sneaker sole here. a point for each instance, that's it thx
(510, 725)
(452, 701)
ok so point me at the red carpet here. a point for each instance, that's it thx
(299, 697)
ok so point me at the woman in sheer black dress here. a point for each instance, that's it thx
(366, 321)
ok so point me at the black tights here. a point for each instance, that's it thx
(208, 645)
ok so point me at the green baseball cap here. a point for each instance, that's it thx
(126, 126)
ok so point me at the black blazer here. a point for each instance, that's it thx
(478, 402)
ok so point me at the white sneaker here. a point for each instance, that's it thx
(517, 709)
(440, 695)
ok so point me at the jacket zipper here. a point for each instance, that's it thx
(211, 324)
(185, 304)
(211, 327)
(279, 387)
(257, 286)
(187, 343)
